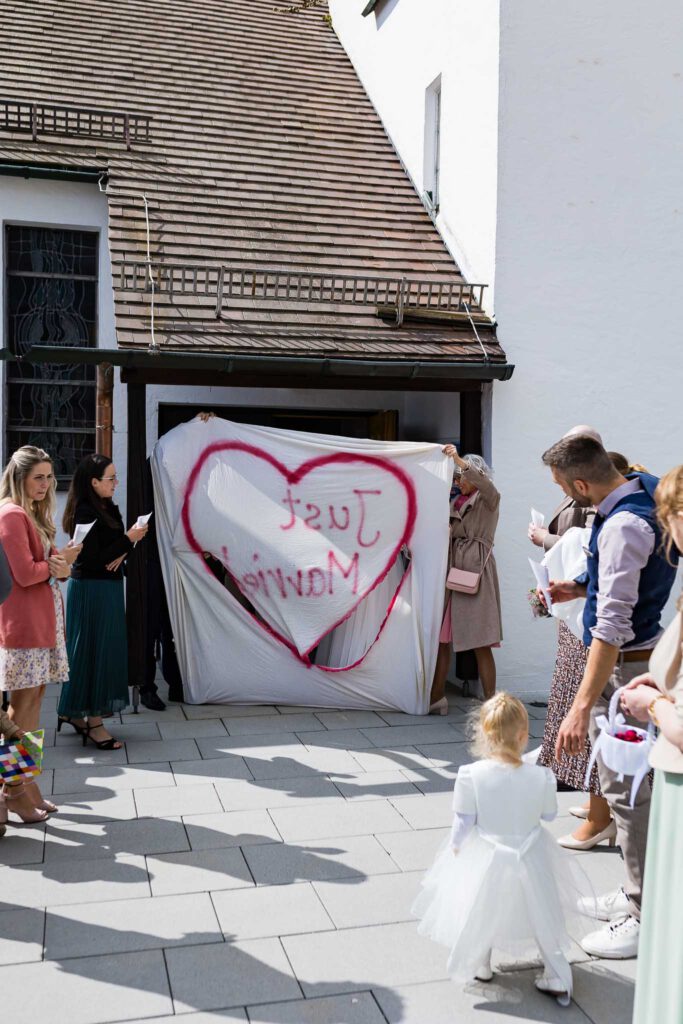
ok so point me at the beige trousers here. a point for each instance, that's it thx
(631, 821)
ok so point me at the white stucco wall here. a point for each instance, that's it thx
(589, 259)
(397, 55)
(560, 180)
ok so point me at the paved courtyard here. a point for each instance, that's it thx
(256, 864)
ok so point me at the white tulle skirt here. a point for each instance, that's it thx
(517, 896)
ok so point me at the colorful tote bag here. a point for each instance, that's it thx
(22, 758)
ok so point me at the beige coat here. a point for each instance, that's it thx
(476, 618)
(565, 516)
(666, 667)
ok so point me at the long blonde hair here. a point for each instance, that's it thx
(496, 728)
(13, 489)
(669, 498)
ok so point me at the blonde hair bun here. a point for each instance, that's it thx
(499, 728)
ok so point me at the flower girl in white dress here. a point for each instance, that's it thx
(509, 886)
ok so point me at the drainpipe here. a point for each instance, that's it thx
(104, 400)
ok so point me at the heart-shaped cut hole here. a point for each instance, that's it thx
(305, 545)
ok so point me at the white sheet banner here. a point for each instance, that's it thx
(302, 568)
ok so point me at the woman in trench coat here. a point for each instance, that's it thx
(471, 621)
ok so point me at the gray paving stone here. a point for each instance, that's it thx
(203, 978)
(198, 871)
(234, 1016)
(536, 728)
(352, 857)
(107, 839)
(377, 760)
(343, 819)
(273, 724)
(41, 885)
(344, 739)
(437, 781)
(215, 769)
(295, 709)
(22, 844)
(176, 800)
(413, 851)
(93, 990)
(127, 731)
(345, 720)
(194, 712)
(270, 910)
(604, 990)
(123, 926)
(115, 778)
(230, 828)
(539, 713)
(78, 756)
(508, 999)
(354, 1008)
(447, 755)
(192, 730)
(162, 750)
(265, 745)
(313, 761)
(380, 899)
(434, 810)
(344, 961)
(374, 785)
(94, 804)
(430, 731)
(236, 796)
(172, 713)
(21, 936)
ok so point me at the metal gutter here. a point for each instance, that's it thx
(408, 369)
(60, 173)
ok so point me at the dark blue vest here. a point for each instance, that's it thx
(656, 579)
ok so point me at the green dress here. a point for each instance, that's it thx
(659, 985)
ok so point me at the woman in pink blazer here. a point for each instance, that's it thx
(32, 647)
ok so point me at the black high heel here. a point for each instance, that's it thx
(109, 744)
(64, 720)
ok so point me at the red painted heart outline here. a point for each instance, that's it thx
(294, 477)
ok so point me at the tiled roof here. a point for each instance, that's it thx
(265, 152)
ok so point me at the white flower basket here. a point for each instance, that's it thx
(620, 756)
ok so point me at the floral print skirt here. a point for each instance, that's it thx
(24, 667)
(569, 669)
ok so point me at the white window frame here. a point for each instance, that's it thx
(432, 147)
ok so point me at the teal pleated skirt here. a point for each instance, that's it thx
(659, 983)
(97, 646)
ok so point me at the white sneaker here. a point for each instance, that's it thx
(552, 986)
(604, 908)
(616, 941)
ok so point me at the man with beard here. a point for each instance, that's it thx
(627, 584)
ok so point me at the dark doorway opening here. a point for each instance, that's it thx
(381, 425)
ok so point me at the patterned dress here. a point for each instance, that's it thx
(569, 668)
(24, 667)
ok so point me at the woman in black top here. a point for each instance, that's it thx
(95, 612)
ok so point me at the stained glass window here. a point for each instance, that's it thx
(51, 299)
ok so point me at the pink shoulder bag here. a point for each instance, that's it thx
(465, 582)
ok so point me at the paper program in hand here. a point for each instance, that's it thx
(537, 518)
(143, 520)
(542, 575)
(81, 531)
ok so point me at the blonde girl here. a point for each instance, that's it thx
(500, 881)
